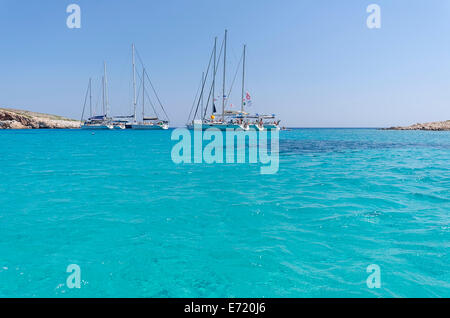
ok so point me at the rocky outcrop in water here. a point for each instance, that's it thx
(20, 119)
(435, 126)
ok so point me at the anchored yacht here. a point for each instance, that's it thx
(102, 122)
(226, 119)
(146, 123)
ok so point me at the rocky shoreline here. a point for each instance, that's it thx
(21, 119)
(433, 126)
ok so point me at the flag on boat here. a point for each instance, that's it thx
(214, 108)
(247, 100)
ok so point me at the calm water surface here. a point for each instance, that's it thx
(140, 226)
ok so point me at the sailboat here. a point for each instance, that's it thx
(257, 121)
(147, 123)
(227, 119)
(99, 121)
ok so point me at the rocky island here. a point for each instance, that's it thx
(434, 126)
(22, 119)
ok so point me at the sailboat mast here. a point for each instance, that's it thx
(243, 79)
(214, 76)
(134, 83)
(90, 97)
(103, 95)
(202, 103)
(143, 94)
(106, 90)
(224, 69)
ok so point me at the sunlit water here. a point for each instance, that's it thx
(139, 225)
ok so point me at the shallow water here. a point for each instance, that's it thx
(139, 225)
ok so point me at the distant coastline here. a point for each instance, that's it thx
(432, 126)
(21, 119)
(11, 118)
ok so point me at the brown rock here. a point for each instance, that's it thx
(433, 126)
(19, 119)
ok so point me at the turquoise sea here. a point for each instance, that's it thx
(139, 225)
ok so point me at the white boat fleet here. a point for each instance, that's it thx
(107, 122)
(202, 115)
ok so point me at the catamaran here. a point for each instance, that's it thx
(232, 119)
(99, 121)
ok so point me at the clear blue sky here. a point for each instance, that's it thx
(314, 63)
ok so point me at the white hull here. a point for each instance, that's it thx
(220, 127)
(224, 127)
(149, 127)
(257, 127)
(271, 126)
(265, 127)
(97, 127)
